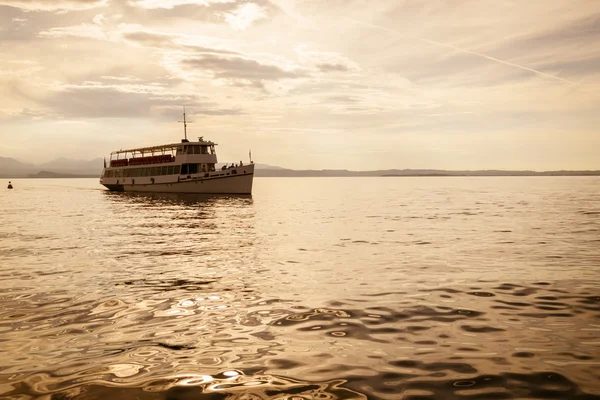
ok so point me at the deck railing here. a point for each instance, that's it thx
(165, 158)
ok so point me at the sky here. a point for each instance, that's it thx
(307, 84)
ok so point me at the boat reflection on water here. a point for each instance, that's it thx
(179, 198)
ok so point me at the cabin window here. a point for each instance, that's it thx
(170, 170)
(179, 150)
(177, 170)
(188, 169)
(164, 170)
(203, 149)
(154, 171)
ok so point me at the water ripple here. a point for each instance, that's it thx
(429, 289)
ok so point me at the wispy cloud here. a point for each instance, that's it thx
(245, 15)
(467, 51)
(54, 5)
(168, 4)
(236, 68)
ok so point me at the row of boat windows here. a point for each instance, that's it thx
(185, 169)
(149, 171)
(202, 149)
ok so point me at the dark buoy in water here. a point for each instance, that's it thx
(9, 185)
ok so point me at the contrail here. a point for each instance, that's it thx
(440, 44)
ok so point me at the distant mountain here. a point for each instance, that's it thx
(79, 167)
(64, 167)
(11, 168)
(267, 166)
(49, 174)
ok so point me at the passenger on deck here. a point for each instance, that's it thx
(9, 185)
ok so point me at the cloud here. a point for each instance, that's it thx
(97, 100)
(244, 16)
(467, 51)
(325, 61)
(238, 68)
(89, 31)
(171, 42)
(332, 67)
(120, 78)
(24, 114)
(169, 4)
(19, 68)
(101, 19)
(54, 5)
(342, 99)
(151, 39)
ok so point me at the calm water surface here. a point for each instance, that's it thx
(313, 288)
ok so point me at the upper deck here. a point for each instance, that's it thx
(186, 151)
(163, 148)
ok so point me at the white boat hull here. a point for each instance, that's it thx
(229, 184)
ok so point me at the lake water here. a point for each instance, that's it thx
(313, 288)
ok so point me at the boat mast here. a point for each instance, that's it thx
(184, 125)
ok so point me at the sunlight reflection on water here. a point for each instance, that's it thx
(407, 288)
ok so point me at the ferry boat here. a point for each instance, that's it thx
(186, 167)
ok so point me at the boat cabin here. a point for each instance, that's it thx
(185, 158)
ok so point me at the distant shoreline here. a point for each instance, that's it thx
(288, 173)
(414, 173)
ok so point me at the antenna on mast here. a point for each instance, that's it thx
(185, 140)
